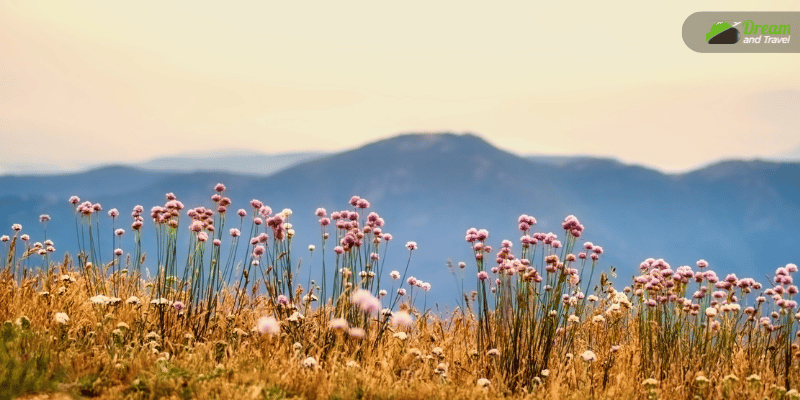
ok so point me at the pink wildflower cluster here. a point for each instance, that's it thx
(202, 222)
(525, 222)
(426, 286)
(138, 220)
(592, 251)
(660, 284)
(170, 212)
(358, 202)
(86, 208)
(352, 233)
(221, 201)
(572, 226)
(366, 301)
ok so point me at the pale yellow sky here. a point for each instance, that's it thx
(86, 81)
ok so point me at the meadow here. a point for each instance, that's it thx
(539, 316)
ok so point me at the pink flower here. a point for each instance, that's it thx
(235, 232)
(357, 333)
(402, 318)
(339, 324)
(321, 212)
(401, 292)
(338, 249)
(242, 213)
(217, 242)
(366, 301)
(179, 306)
(387, 237)
(118, 252)
(268, 325)
(257, 204)
(702, 264)
(354, 200)
(216, 198)
(74, 200)
(258, 221)
(483, 275)
(412, 280)
(283, 300)
(324, 221)
(119, 232)
(259, 251)
(202, 236)
(219, 188)
(411, 246)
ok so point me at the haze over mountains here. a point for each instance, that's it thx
(741, 216)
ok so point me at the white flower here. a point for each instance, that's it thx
(588, 356)
(400, 336)
(573, 318)
(311, 247)
(62, 318)
(395, 274)
(159, 302)
(133, 300)
(310, 362)
(310, 297)
(99, 300)
(493, 352)
(296, 316)
(483, 383)
(598, 319)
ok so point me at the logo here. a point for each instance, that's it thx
(722, 33)
(742, 31)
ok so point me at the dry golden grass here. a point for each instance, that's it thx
(123, 351)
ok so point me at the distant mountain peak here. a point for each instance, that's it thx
(434, 142)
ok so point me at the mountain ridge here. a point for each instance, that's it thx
(431, 188)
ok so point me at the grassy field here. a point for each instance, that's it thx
(539, 316)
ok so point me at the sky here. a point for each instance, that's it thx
(86, 82)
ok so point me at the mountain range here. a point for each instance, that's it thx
(740, 216)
